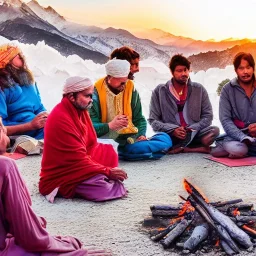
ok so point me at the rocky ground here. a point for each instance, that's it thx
(117, 224)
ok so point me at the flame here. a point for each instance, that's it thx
(186, 208)
(161, 229)
(236, 212)
(217, 243)
(190, 191)
(176, 219)
(187, 187)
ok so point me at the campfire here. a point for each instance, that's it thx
(197, 224)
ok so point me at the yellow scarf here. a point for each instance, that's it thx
(103, 99)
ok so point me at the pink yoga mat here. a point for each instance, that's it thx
(251, 160)
(14, 156)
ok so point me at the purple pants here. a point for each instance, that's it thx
(22, 233)
(100, 188)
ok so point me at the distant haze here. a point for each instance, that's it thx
(198, 19)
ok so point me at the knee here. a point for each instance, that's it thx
(235, 149)
(219, 151)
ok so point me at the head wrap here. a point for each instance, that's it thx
(76, 84)
(117, 68)
(7, 53)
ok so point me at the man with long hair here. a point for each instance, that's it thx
(237, 111)
(20, 104)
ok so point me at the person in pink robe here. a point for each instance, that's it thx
(22, 232)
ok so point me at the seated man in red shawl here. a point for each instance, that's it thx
(22, 232)
(74, 164)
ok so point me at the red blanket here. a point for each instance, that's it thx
(71, 152)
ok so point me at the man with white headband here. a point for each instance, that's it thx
(117, 114)
(74, 164)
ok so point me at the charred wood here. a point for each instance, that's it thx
(162, 234)
(226, 248)
(165, 207)
(175, 233)
(224, 235)
(240, 207)
(223, 203)
(246, 219)
(199, 234)
(165, 213)
(249, 230)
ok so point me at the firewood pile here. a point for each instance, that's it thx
(199, 225)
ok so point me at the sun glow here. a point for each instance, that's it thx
(198, 19)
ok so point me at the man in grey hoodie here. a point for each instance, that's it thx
(182, 109)
(237, 111)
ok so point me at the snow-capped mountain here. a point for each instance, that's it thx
(48, 14)
(109, 39)
(104, 40)
(19, 22)
(14, 3)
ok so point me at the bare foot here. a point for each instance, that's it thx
(209, 138)
(50, 197)
(175, 150)
(205, 150)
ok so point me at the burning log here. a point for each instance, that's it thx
(176, 232)
(226, 248)
(224, 235)
(219, 229)
(199, 234)
(245, 219)
(163, 233)
(219, 203)
(162, 213)
(165, 207)
(249, 230)
(228, 209)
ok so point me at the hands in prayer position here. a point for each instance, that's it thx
(180, 133)
(119, 122)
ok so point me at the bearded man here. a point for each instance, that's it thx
(182, 109)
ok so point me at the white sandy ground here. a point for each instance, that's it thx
(116, 224)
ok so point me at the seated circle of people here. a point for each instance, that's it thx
(20, 104)
(22, 232)
(74, 164)
(182, 109)
(116, 114)
(237, 111)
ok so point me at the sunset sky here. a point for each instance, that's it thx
(198, 19)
